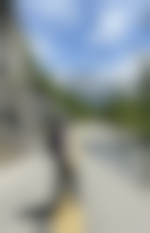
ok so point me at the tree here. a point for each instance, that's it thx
(144, 105)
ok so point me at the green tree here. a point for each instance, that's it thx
(144, 104)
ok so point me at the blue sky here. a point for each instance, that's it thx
(94, 37)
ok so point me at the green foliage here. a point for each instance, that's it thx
(66, 100)
(124, 110)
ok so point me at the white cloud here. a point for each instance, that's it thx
(122, 74)
(111, 25)
(114, 24)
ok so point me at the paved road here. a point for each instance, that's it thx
(107, 185)
(113, 197)
(28, 186)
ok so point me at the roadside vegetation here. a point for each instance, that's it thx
(128, 111)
